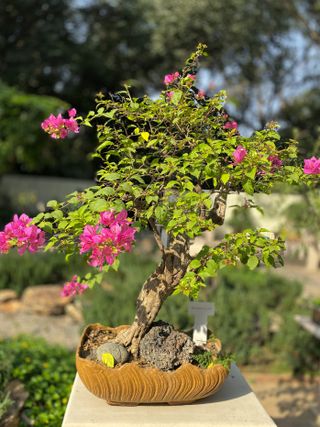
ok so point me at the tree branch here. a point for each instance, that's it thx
(156, 234)
(218, 212)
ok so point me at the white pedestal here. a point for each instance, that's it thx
(235, 405)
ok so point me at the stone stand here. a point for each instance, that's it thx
(235, 405)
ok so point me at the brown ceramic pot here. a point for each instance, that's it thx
(131, 384)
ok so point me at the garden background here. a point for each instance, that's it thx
(58, 53)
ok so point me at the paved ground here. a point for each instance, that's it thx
(55, 329)
(291, 403)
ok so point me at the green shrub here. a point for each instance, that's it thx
(247, 303)
(297, 348)
(5, 370)
(47, 372)
(37, 269)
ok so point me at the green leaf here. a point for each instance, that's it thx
(225, 178)
(62, 225)
(50, 244)
(116, 264)
(252, 262)
(99, 205)
(111, 114)
(57, 214)
(248, 187)
(251, 174)
(38, 218)
(176, 97)
(52, 204)
(46, 226)
(150, 199)
(111, 176)
(195, 263)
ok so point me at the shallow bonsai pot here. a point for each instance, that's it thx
(132, 384)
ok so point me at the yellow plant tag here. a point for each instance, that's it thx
(108, 360)
(145, 135)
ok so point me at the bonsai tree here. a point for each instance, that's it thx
(167, 164)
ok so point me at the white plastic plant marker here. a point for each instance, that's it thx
(200, 311)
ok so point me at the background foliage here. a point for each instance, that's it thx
(47, 372)
(72, 50)
(54, 269)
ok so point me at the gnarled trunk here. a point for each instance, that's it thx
(155, 291)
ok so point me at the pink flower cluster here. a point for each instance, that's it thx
(275, 162)
(239, 154)
(231, 125)
(22, 234)
(73, 288)
(106, 240)
(192, 77)
(170, 94)
(58, 127)
(170, 78)
(312, 166)
(201, 94)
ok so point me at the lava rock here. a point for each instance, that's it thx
(165, 348)
(118, 351)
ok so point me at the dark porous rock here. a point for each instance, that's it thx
(165, 348)
(118, 351)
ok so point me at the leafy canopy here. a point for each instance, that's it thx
(170, 161)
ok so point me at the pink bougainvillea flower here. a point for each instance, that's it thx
(72, 112)
(4, 243)
(312, 166)
(106, 240)
(201, 94)
(170, 78)
(276, 162)
(58, 127)
(192, 77)
(73, 288)
(22, 234)
(231, 125)
(170, 94)
(239, 154)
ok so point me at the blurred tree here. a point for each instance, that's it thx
(301, 121)
(74, 49)
(23, 145)
(36, 44)
(80, 48)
